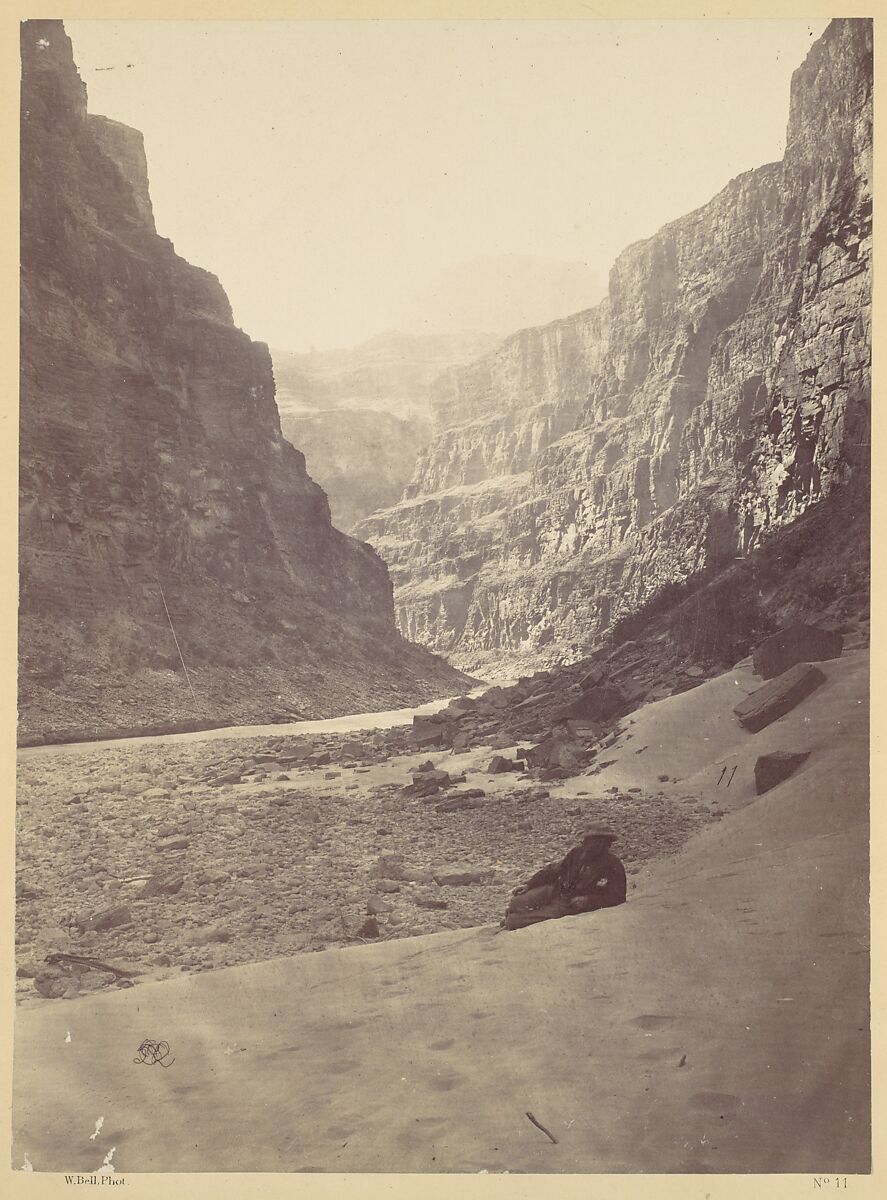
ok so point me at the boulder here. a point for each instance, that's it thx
(460, 875)
(173, 843)
(438, 778)
(555, 752)
(52, 983)
(428, 733)
(389, 866)
(413, 875)
(163, 885)
(771, 769)
(778, 697)
(531, 701)
(109, 918)
(592, 679)
(501, 741)
(499, 765)
(795, 644)
(566, 755)
(598, 703)
(493, 698)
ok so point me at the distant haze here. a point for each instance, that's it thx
(332, 173)
(501, 294)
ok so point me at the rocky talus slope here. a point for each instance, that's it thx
(148, 858)
(719, 391)
(156, 487)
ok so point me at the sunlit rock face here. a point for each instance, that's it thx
(720, 389)
(156, 487)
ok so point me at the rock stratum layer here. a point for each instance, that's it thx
(362, 459)
(719, 390)
(361, 416)
(156, 487)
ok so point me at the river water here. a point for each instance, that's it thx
(352, 723)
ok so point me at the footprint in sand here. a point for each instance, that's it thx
(446, 1083)
(444, 1045)
(651, 1021)
(342, 1067)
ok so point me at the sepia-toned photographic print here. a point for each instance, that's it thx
(444, 598)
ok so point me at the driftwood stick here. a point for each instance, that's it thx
(539, 1125)
(59, 957)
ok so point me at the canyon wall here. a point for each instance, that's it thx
(361, 415)
(719, 390)
(162, 511)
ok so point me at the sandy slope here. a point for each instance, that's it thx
(717, 1022)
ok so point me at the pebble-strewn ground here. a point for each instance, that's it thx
(282, 860)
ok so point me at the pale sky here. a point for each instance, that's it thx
(326, 170)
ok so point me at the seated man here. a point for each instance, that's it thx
(590, 877)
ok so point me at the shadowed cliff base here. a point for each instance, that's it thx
(166, 526)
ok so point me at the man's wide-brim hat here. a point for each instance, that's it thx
(599, 831)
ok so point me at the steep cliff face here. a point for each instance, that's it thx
(361, 416)
(362, 459)
(154, 477)
(720, 389)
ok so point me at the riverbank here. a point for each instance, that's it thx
(717, 1022)
(162, 856)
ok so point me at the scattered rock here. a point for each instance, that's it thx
(460, 875)
(163, 885)
(109, 918)
(428, 733)
(209, 934)
(389, 866)
(778, 697)
(440, 778)
(795, 644)
(52, 983)
(499, 765)
(501, 741)
(173, 843)
(461, 801)
(771, 769)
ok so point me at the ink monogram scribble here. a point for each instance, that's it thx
(150, 1053)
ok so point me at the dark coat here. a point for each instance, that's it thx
(584, 872)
